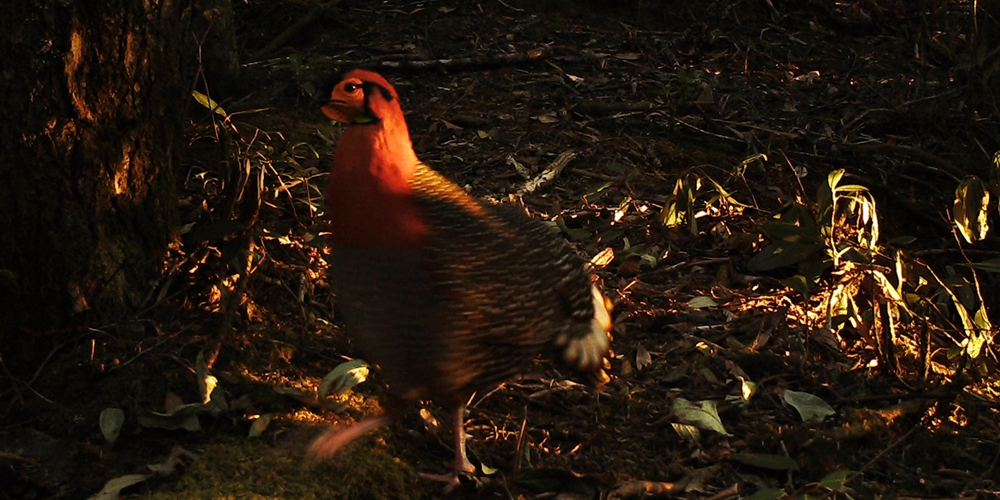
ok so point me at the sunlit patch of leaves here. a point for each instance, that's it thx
(253, 219)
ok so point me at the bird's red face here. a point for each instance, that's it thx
(347, 102)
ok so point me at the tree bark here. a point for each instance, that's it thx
(91, 133)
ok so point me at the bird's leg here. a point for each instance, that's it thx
(333, 438)
(462, 464)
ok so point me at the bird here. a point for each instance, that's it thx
(447, 294)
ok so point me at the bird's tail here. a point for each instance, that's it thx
(590, 353)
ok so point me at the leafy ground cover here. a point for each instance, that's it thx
(786, 202)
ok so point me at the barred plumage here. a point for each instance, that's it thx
(448, 294)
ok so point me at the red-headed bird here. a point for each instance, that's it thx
(447, 294)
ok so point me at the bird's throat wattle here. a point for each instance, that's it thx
(369, 195)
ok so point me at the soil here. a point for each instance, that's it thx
(732, 111)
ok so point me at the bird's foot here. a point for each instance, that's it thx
(332, 439)
(454, 479)
(451, 480)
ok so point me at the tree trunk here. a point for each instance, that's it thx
(92, 94)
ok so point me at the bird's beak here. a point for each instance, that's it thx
(339, 111)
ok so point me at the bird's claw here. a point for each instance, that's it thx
(452, 480)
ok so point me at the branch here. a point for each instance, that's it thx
(293, 30)
(549, 174)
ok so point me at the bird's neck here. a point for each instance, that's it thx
(370, 194)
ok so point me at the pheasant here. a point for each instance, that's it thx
(449, 295)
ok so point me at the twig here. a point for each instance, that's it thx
(946, 251)
(986, 473)
(731, 491)
(147, 350)
(706, 132)
(41, 367)
(294, 29)
(515, 9)
(519, 168)
(519, 449)
(549, 174)
(483, 61)
(917, 155)
(790, 135)
(892, 446)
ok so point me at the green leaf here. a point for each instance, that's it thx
(768, 494)
(766, 461)
(992, 265)
(852, 254)
(794, 216)
(703, 415)
(974, 343)
(112, 489)
(344, 377)
(835, 480)
(970, 209)
(111, 423)
(597, 190)
(982, 320)
(573, 233)
(851, 188)
(808, 405)
(701, 302)
(781, 254)
(799, 283)
(687, 432)
(208, 103)
(748, 388)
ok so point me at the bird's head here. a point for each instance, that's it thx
(361, 97)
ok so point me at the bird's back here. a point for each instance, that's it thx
(491, 289)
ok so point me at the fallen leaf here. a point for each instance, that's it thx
(111, 423)
(642, 358)
(547, 118)
(260, 425)
(603, 258)
(344, 377)
(808, 405)
(702, 302)
(112, 489)
(702, 415)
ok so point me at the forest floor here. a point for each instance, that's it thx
(725, 113)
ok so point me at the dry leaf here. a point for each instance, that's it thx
(642, 358)
(451, 126)
(547, 118)
(429, 419)
(603, 258)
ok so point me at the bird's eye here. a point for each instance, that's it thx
(350, 88)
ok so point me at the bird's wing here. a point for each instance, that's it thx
(507, 285)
